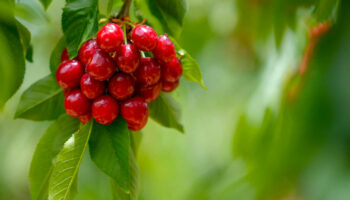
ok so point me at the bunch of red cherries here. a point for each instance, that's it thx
(111, 75)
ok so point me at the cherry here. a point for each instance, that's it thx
(85, 118)
(64, 55)
(149, 92)
(90, 87)
(169, 86)
(144, 37)
(172, 71)
(69, 73)
(165, 49)
(105, 109)
(87, 50)
(139, 126)
(101, 66)
(148, 72)
(121, 86)
(110, 37)
(127, 58)
(134, 110)
(76, 104)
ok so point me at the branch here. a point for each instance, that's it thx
(124, 11)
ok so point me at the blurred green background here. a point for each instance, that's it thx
(261, 131)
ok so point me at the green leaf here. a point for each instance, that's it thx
(135, 140)
(191, 69)
(55, 58)
(112, 5)
(109, 150)
(79, 23)
(168, 13)
(46, 151)
(12, 63)
(62, 185)
(41, 101)
(25, 37)
(166, 112)
(46, 3)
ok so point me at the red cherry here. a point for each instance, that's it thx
(101, 66)
(105, 109)
(76, 104)
(137, 127)
(149, 92)
(85, 118)
(87, 50)
(172, 71)
(127, 58)
(169, 86)
(165, 49)
(144, 37)
(67, 91)
(148, 72)
(64, 55)
(69, 73)
(121, 86)
(90, 87)
(134, 110)
(110, 37)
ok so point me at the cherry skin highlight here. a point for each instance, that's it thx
(101, 67)
(110, 37)
(134, 110)
(87, 50)
(148, 72)
(85, 118)
(144, 37)
(105, 109)
(127, 58)
(149, 92)
(69, 73)
(64, 55)
(172, 71)
(121, 86)
(169, 86)
(76, 104)
(165, 49)
(90, 87)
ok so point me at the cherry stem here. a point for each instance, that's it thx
(143, 54)
(124, 11)
(129, 23)
(125, 35)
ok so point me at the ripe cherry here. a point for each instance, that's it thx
(64, 55)
(165, 49)
(90, 87)
(85, 118)
(149, 92)
(169, 86)
(127, 58)
(134, 110)
(137, 127)
(87, 50)
(144, 37)
(76, 104)
(121, 86)
(105, 109)
(110, 37)
(69, 73)
(172, 71)
(148, 72)
(101, 67)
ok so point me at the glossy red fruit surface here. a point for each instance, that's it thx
(101, 67)
(137, 127)
(69, 73)
(110, 37)
(87, 50)
(105, 109)
(127, 58)
(148, 72)
(85, 118)
(92, 88)
(169, 86)
(149, 92)
(165, 49)
(172, 71)
(134, 110)
(64, 55)
(121, 86)
(76, 104)
(144, 37)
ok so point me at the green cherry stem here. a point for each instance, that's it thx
(125, 35)
(143, 54)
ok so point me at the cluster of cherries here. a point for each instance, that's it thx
(112, 75)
